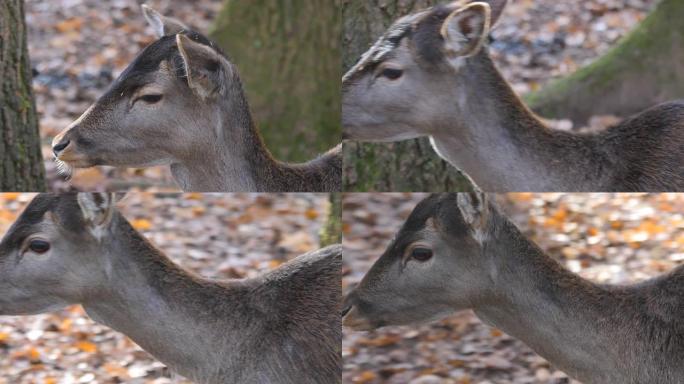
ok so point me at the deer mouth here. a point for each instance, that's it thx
(354, 320)
(68, 161)
(73, 160)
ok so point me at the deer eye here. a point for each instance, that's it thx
(391, 73)
(421, 254)
(150, 99)
(39, 246)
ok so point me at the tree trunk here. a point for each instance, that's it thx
(21, 162)
(406, 166)
(288, 54)
(644, 69)
(331, 233)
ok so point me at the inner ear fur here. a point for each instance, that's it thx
(466, 29)
(162, 25)
(205, 72)
(474, 208)
(97, 208)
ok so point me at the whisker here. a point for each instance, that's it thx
(64, 169)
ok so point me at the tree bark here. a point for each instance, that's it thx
(331, 233)
(646, 68)
(288, 53)
(21, 162)
(406, 166)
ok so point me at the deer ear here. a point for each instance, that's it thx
(474, 209)
(466, 29)
(97, 209)
(162, 26)
(203, 67)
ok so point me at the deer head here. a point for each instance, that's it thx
(156, 112)
(408, 84)
(434, 266)
(49, 257)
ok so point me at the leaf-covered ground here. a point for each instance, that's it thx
(605, 238)
(219, 235)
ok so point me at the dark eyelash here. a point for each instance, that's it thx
(391, 73)
(150, 98)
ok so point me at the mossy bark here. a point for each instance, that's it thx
(21, 162)
(288, 54)
(406, 166)
(331, 233)
(644, 69)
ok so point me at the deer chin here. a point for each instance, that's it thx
(357, 322)
(66, 163)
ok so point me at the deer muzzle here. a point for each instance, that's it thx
(64, 147)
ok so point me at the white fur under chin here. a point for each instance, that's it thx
(64, 169)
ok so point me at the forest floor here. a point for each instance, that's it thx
(214, 235)
(77, 48)
(606, 238)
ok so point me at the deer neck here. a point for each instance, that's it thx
(501, 144)
(555, 312)
(233, 158)
(190, 324)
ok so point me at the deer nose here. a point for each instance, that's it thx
(60, 147)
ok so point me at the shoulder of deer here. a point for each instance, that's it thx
(326, 261)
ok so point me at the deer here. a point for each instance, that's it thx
(430, 75)
(280, 327)
(181, 104)
(458, 251)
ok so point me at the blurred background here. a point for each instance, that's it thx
(215, 235)
(287, 52)
(616, 239)
(585, 64)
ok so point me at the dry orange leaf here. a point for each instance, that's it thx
(365, 377)
(142, 224)
(115, 370)
(65, 325)
(73, 24)
(457, 363)
(76, 310)
(521, 196)
(194, 196)
(86, 346)
(680, 240)
(381, 341)
(561, 214)
(8, 216)
(11, 196)
(33, 354)
(311, 214)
